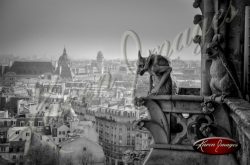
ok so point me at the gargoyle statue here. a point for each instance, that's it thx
(159, 70)
(223, 82)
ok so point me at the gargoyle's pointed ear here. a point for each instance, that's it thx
(221, 13)
(139, 54)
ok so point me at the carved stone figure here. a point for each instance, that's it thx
(222, 82)
(159, 70)
(197, 39)
(198, 19)
(197, 3)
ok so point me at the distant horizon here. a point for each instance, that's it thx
(144, 54)
(43, 28)
(79, 59)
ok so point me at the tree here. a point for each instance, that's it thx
(41, 155)
(86, 158)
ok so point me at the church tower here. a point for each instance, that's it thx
(100, 62)
(63, 66)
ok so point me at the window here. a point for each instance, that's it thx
(3, 149)
(59, 132)
(133, 141)
(27, 134)
(60, 140)
(63, 132)
(17, 132)
(14, 156)
(40, 123)
(22, 123)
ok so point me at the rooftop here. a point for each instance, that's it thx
(31, 67)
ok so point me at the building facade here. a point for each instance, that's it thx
(116, 134)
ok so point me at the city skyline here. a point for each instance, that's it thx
(85, 27)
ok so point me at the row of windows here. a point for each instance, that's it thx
(61, 139)
(14, 157)
(61, 132)
(26, 123)
(131, 143)
(7, 123)
(113, 128)
(27, 133)
(16, 149)
(2, 149)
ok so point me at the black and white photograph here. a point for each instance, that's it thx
(124, 82)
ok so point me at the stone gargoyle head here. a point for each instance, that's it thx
(141, 64)
(214, 48)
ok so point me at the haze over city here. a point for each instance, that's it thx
(70, 96)
(43, 28)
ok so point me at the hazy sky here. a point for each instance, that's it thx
(43, 27)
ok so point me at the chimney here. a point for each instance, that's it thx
(56, 64)
(60, 70)
(10, 63)
(3, 68)
(6, 114)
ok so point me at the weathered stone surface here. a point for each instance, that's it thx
(241, 109)
(182, 157)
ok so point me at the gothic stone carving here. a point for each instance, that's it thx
(198, 20)
(223, 81)
(197, 3)
(159, 70)
(197, 39)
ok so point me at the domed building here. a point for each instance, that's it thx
(63, 66)
(97, 66)
(99, 57)
(100, 61)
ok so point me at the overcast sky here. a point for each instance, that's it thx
(44, 27)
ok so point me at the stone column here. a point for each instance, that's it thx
(207, 35)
